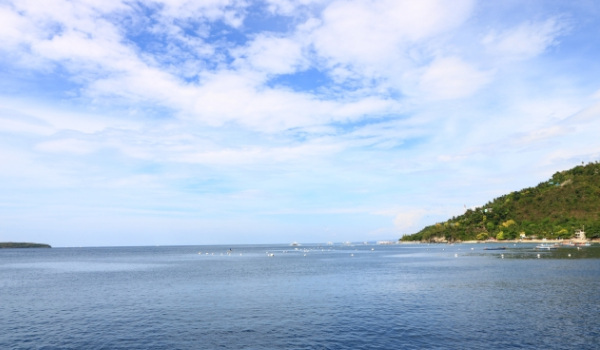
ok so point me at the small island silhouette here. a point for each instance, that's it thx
(23, 245)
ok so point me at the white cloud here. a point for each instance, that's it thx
(366, 34)
(408, 220)
(271, 55)
(72, 146)
(15, 28)
(291, 7)
(449, 78)
(525, 41)
(543, 134)
(229, 11)
(48, 119)
(144, 84)
(259, 155)
(81, 50)
(16, 122)
(590, 114)
(19, 126)
(22, 168)
(95, 53)
(233, 97)
(97, 56)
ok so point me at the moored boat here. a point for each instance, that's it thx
(545, 246)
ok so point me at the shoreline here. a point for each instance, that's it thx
(536, 241)
(511, 241)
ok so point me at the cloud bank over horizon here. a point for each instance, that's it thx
(234, 121)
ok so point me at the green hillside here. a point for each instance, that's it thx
(554, 209)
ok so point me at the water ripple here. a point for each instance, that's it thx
(389, 298)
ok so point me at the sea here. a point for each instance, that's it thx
(312, 296)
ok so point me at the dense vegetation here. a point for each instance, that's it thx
(554, 209)
(23, 245)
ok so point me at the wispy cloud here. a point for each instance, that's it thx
(527, 40)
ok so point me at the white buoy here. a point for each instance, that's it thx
(538, 256)
(456, 255)
(502, 255)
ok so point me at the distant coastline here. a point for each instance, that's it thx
(23, 245)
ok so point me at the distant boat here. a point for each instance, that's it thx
(544, 246)
(495, 248)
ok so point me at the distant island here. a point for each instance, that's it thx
(23, 245)
(567, 206)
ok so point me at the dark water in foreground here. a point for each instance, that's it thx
(338, 297)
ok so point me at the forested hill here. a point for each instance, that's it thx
(554, 209)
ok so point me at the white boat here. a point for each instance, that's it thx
(545, 246)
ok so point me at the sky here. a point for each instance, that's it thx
(277, 121)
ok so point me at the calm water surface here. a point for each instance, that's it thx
(308, 297)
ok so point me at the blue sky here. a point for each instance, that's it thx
(231, 121)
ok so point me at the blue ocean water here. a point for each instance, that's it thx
(307, 297)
